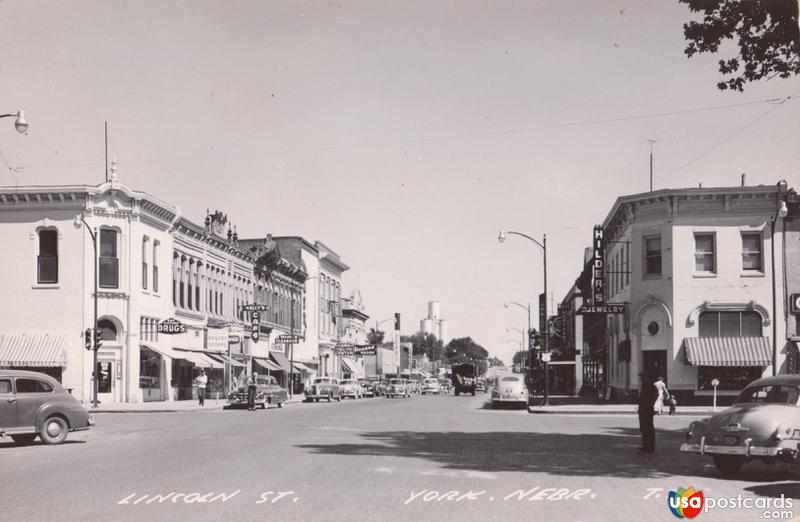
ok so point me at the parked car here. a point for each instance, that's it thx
(510, 389)
(34, 404)
(268, 391)
(367, 388)
(397, 388)
(431, 386)
(414, 386)
(323, 388)
(379, 386)
(763, 423)
(480, 385)
(350, 388)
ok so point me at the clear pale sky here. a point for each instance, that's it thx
(403, 134)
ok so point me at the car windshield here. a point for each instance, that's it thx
(510, 379)
(397, 381)
(431, 381)
(346, 381)
(770, 394)
(321, 381)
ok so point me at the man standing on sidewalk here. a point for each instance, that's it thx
(647, 397)
(201, 381)
(251, 392)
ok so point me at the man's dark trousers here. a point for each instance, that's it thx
(648, 431)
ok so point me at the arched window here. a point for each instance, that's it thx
(107, 330)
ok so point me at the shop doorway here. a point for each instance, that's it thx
(105, 381)
(655, 363)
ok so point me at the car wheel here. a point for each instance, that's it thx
(727, 464)
(54, 430)
(473, 393)
(330, 396)
(23, 440)
(338, 398)
(316, 400)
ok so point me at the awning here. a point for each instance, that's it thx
(347, 366)
(728, 351)
(266, 364)
(280, 359)
(192, 357)
(300, 367)
(209, 362)
(225, 359)
(35, 350)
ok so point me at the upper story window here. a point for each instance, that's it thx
(155, 265)
(730, 324)
(47, 261)
(145, 271)
(109, 262)
(107, 330)
(652, 256)
(704, 253)
(751, 252)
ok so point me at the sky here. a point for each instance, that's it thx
(403, 134)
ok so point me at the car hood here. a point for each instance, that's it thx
(759, 421)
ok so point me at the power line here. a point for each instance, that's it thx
(432, 138)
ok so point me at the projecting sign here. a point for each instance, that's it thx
(255, 326)
(254, 308)
(171, 326)
(598, 258)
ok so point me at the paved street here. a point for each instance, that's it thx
(373, 459)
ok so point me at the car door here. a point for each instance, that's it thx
(31, 394)
(8, 404)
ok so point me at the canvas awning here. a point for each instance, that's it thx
(300, 367)
(266, 364)
(280, 359)
(347, 366)
(203, 360)
(229, 360)
(33, 350)
(728, 351)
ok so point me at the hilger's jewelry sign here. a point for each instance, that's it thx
(171, 326)
(598, 258)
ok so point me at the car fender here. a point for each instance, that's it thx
(75, 415)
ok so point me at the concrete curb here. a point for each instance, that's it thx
(173, 407)
(556, 411)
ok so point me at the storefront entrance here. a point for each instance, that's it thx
(106, 381)
(655, 363)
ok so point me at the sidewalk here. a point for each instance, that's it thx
(169, 406)
(616, 409)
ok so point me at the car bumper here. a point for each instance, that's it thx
(510, 399)
(747, 450)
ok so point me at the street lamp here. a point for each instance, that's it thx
(530, 347)
(501, 237)
(21, 123)
(782, 212)
(78, 221)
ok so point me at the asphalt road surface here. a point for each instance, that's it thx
(425, 458)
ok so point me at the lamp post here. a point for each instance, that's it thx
(530, 347)
(93, 233)
(501, 237)
(21, 123)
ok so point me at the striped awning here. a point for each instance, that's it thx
(266, 364)
(300, 367)
(35, 351)
(728, 351)
(280, 359)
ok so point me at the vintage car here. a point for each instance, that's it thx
(367, 388)
(323, 388)
(431, 386)
(414, 386)
(510, 389)
(397, 388)
(763, 423)
(34, 404)
(379, 386)
(268, 391)
(480, 385)
(350, 388)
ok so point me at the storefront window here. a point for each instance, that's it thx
(730, 377)
(730, 324)
(149, 369)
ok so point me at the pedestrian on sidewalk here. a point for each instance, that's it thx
(201, 381)
(672, 404)
(251, 392)
(662, 397)
(647, 397)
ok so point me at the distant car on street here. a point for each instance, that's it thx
(397, 388)
(34, 404)
(763, 423)
(414, 386)
(323, 388)
(350, 388)
(431, 386)
(480, 385)
(380, 387)
(510, 389)
(367, 388)
(268, 391)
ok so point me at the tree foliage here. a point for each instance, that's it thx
(521, 357)
(495, 361)
(766, 32)
(425, 343)
(464, 349)
(375, 336)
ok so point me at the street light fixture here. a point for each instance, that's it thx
(21, 123)
(501, 237)
(78, 221)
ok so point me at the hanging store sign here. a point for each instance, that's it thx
(254, 307)
(598, 259)
(171, 326)
(288, 339)
(366, 349)
(255, 329)
(542, 318)
(794, 304)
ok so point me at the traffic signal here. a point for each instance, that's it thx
(397, 322)
(534, 338)
(97, 343)
(87, 339)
